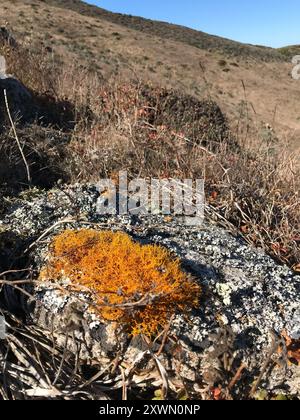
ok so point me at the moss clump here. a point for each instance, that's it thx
(141, 286)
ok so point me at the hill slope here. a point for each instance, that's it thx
(173, 32)
(245, 80)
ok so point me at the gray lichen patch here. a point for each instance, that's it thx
(247, 298)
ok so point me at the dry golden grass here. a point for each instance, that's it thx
(253, 183)
(112, 47)
(251, 177)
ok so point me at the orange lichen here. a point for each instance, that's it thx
(138, 285)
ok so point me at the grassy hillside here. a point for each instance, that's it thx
(80, 126)
(176, 33)
(242, 79)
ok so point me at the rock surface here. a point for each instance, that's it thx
(248, 299)
(20, 100)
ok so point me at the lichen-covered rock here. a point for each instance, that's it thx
(248, 304)
(68, 314)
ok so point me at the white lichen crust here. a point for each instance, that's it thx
(247, 298)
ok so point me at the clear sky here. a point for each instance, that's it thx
(274, 23)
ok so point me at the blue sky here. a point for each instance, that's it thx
(267, 22)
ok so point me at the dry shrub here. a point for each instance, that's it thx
(141, 286)
(44, 149)
(144, 130)
(33, 68)
(39, 74)
(253, 183)
(260, 196)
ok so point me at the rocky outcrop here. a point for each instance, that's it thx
(20, 100)
(249, 313)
